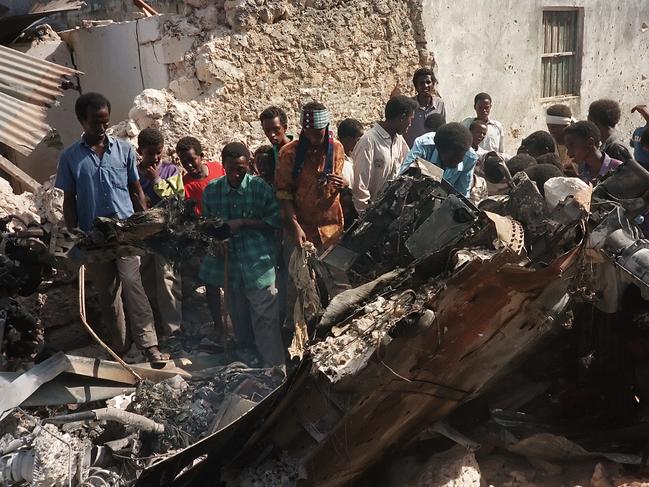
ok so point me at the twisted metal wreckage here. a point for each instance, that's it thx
(446, 299)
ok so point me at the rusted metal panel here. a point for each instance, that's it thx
(486, 315)
(28, 87)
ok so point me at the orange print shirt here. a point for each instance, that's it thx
(317, 205)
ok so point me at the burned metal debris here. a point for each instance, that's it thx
(448, 300)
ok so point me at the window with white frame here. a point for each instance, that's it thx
(561, 59)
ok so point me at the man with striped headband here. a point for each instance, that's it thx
(309, 179)
(558, 118)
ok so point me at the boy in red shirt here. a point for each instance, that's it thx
(199, 172)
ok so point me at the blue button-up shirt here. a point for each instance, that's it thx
(460, 177)
(101, 185)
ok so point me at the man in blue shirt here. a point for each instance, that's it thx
(99, 177)
(450, 149)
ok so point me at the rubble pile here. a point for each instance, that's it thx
(247, 55)
(46, 205)
(518, 330)
(22, 205)
(193, 410)
(115, 438)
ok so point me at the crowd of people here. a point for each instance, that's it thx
(295, 190)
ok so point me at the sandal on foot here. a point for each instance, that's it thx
(154, 356)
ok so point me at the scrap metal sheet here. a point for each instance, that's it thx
(28, 87)
(488, 314)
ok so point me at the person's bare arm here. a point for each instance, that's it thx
(70, 209)
(643, 110)
(291, 223)
(137, 196)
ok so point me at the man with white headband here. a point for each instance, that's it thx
(558, 118)
(309, 180)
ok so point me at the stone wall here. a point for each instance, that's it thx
(248, 54)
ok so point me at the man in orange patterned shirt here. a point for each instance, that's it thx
(309, 179)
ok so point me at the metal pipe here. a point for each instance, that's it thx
(111, 414)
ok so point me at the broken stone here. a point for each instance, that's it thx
(185, 88)
(57, 456)
(148, 106)
(171, 50)
(456, 467)
(148, 29)
(21, 205)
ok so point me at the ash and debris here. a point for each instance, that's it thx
(350, 346)
(188, 409)
(283, 471)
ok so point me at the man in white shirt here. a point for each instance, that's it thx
(380, 152)
(495, 138)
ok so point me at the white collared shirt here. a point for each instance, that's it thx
(348, 171)
(495, 138)
(377, 158)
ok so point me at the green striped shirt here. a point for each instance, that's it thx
(251, 252)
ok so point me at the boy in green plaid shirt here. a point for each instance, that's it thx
(249, 207)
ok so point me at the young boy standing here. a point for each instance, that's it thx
(559, 117)
(249, 207)
(199, 174)
(199, 171)
(428, 102)
(495, 138)
(605, 114)
(583, 142)
(274, 123)
(381, 150)
(160, 180)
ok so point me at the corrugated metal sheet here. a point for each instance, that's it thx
(28, 87)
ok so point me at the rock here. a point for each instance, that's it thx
(185, 88)
(148, 106)
(456, 467)
(21, 205)
(54, 452)
(49, 202)
(170, 50)
(600, 477)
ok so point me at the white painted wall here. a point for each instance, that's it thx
(496, 45)
(117, 60)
